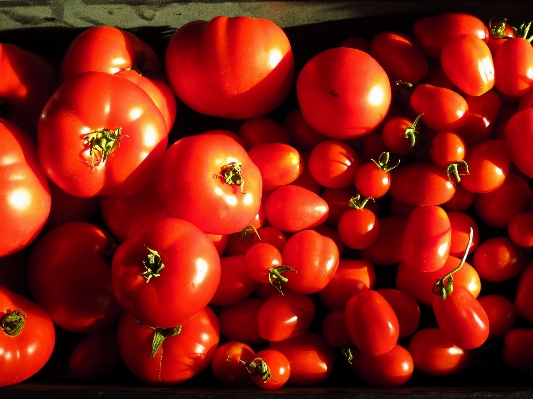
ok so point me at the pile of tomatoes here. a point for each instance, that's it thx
(382, 226)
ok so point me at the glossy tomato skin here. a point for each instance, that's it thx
(520, 229)
(238, 322)
(333, 164)
(101, 101)
(25, 354)
(512, 63)
(501, 314)
(447, 148)
(427, 238)
(480, 120)
(343, 93)
(358, 228)
(25, 199)
(84, 301)
(226, 364)
(406, 309)
(263, 130)
(519, 137)
(372, 181)
(179, 358)
(192, 169)
(279, 368)
(201, 60)
(499, 259)
(461, 223)
(185, 284)
(372, 323)
(234, 284)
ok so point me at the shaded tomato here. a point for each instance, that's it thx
(406, 309)
(501, 314)
(387, 249)
(481, 119)
(499, 259)
(302, 135)
(520, 229)
(334, 329)
(238, 322)
(518, 349)
(524, 293)
(519, 137)
(235, 284)
(263, 130)
(227, 366)
(333, 164)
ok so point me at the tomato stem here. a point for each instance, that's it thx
(259, 367)
(102, 143)
(347, 353)
(245, 234)
(153, 265)
(12, 323)
(231, 173)
(383, 161)
(404, 88)
(275, 277)
(444, 286)
(358, 202)
(453, 170)
(411, 133)
(160, 334)
(522, 31)
(498, 31)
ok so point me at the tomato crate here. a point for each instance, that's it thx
(48, 28)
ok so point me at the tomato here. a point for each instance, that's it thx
(27, 337)
(263, 130)
(238, 322)
(421, 183)
(96, 355)
(234, 284)
(427, 238)
(305, 179)
(28, 81)
(160, 258)
(501, 314)
(278, 163)
(434, 353)
(217, 169)
(334, 329)
(78, 299)
(480, 121)
(467, 61)
(497, 31)
(113, 145)
(313, 257)
(520, 229)
(499, 259)
(303, 136)
(358, 227)
(489, 164)
(236, 68)
(406, 309)
(227, 366)
(25, 199)
(519, 137)
(447, 148)
(311, 359)
(372, 179)
(432, 32)
(524, 293)
(387, 249)
(270, 369)
(389, 370)
(351, 277)
(333, 164)
(441, 108)
(399, 55)
(518, 349)
(461, 223)
(239, 243)
(167, 356)
(338, 200)
(293, 208)
(343, 93)
(400, 208)
(461, 200)
(371, 322)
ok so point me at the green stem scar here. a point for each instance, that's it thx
(153, 265)
(160, 334)
(231, 173)
(258, 367)
(102, 143)
(12, 323)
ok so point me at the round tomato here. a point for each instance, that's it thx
(228, 364)
(270, 369)
(499, 259)
(517, 349)
(263, 130)
(501, 314)
(238, 322)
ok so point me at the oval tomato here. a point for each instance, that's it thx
(519, 137)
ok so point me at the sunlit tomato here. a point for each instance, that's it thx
(238, 322)
(481, 117)
(263, 130)
(372, 179)
(160, 258)
(311, 359)
(84, 302)
(447, 148)
(434, 31)
(434, 353)
(427, 238)
(236, 68)
(27, 337)
(25, 199)
(113, 145)
(314, 258)
(501, 314)
(406, 309)
(166, 356)
(278, 163)
(389, 370)
(467, 61)
(234, 284)
(270, 369)
(305, 179)
(217, 169)
(498, 30)
(519, 137)
(343, 93)
(227, 366)
(399, 135)
(517, 349)
(371, 322)
(520, 229)
(358, 228)
(461, 223)
(387, 249)
(524, 293)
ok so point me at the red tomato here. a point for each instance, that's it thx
(227, 366)
(338, 200)
(343, 93)
(406, 309)
(387, 249)
(434, 31)
(235, 284)
(314, 258)
(371, 322)
(447, 148)
(461, 200)
(238, 244)
(163, 257)
(217, 169)
(467, 62)
(427, 238)
(497, 31)
(524, 293)
(519, 137)
(461, 223)
(499, 259)
(358, 228)
(303, 136)
(434, 353)
(263, 262)
(25, 199)
(390, 370)
(238, 322)
(100, 134)
(398, 54)
(28, 81)
(236, 68)
(167, 356)
(293, 208)
(305, 179)
(372, 179)
(84, 301)
(270, 369)
(501, 314)
(334, 329)
(517, 349)
(263, 130)
(311, 359)
(95, 356)
(27, 337)
(481, 118)
(520, 229)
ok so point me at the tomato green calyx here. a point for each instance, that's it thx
(522, 31)
(497, 31)
(347, 353)
(231, 173)
(153, 265)
(444, 286)
(404, 88)
(102, 143)
(383, 162)
(411, 133)
(12, 323)
(275, 278)
(259, 367)
(453, 170)
(358, 202)
(245, 234)
(160, 334)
